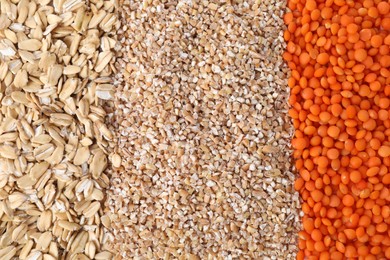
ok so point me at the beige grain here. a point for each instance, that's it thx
(56, 78)
(203, 133)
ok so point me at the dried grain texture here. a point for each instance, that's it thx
(54, 143)
(203, 134)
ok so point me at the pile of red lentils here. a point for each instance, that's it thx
(338, 53)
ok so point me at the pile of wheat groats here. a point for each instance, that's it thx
(203, 133)
(338, 53)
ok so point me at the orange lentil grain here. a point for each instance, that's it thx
(339, 55)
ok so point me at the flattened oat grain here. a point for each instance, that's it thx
(53, 141)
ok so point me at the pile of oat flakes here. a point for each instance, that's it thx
(152, 129)
(56, 67)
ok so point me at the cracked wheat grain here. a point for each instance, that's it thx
(202, 131)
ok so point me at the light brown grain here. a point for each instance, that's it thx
(54, 144)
